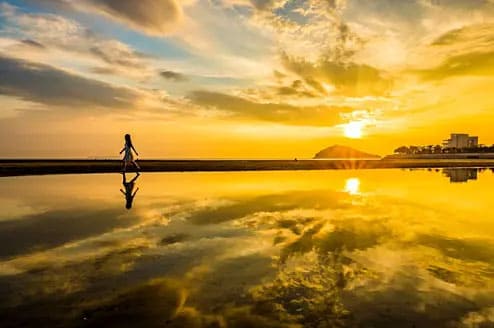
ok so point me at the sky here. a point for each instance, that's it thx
(242, 78)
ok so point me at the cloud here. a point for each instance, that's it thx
(467, 50)
(348, 78)
(150, 16)
(116, 53)
(32, 43)
(459, 52)
(55, 32)
(273, 112)
(173, 76)
(51, 86)
(154, 17)
(307, 28)
(478, 35)
(267, 4)
(474, 63)
(461, 4)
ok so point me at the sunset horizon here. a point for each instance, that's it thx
(246, 163)
(240, 78)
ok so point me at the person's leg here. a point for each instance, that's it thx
(125, 166)
(136, 165)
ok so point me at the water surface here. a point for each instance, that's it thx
(363, 248)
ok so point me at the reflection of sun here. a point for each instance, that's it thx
(353, 129)
(352, 186)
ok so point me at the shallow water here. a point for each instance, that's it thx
(366, 248)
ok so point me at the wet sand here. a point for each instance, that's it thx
(16, 167)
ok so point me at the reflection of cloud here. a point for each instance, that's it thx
(243, 208)
(484, 317)
(306, 290)
(463, 249)
(38, 232)
(257, 257)
(147, 305)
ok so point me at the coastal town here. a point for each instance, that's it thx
(459, 145)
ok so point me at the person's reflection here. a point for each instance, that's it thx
(128, 190)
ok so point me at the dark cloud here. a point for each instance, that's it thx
(120, 56)
(156, 17)
(151, 16)
(269, 203)
(33, 43)
(174, 76)
(296, 89)
(287, 91)
(476, 63)
(51, 86)
(153, 304)
(104, 70)
(263, 4)
(469, 250)
(274, 112)
(54, 228)
(349, 79)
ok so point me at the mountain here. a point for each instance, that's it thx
(339, 152)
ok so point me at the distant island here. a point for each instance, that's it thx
(343, 152)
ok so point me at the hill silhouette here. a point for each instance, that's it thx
(338, 151)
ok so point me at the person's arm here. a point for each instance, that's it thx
(122, 150)
(135, 192)
(135, 151)
(123, 192)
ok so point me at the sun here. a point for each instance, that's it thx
(352, 186)
(353, 130)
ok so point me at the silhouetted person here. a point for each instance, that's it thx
(128, 157)
(129, 192)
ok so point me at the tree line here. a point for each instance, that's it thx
(438, 149)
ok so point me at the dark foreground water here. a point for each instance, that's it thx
(380, 248)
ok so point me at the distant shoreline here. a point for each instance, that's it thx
(440, 156)
(15, 167)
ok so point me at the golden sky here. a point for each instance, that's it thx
(242, 78)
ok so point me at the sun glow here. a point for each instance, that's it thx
(352, 186)
(353, 129)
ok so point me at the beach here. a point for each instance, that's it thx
(15, 167)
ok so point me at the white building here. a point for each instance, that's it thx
(461, 140)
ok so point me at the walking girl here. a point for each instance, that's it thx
(128, 156)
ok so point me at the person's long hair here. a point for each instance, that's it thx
(128, 141)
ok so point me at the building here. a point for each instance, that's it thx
(456, 175)
(461, 140)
